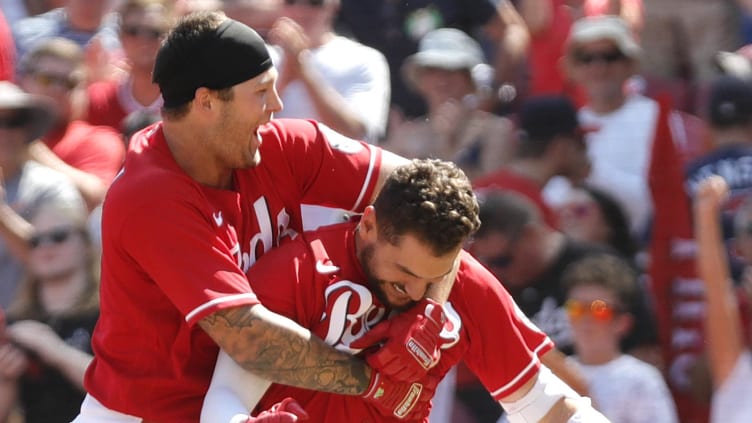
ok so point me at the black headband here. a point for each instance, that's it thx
(231, 54)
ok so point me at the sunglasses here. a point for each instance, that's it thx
(53, 237)
(315, 3)
(607, 57)
(47, 80)
(598, 309)
(142, 32)
(14, 121)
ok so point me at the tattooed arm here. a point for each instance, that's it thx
(277, 349)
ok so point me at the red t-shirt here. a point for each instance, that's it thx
(98, 150)
(485, 328)
(104, 105)
(507, 180)
(546, 50)
(7, 50)
(175, 251)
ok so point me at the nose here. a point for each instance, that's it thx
(274, 104)
(416, 291)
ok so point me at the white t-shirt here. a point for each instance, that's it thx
(628, 390)
(620, 155)
(359, 73)
(731, 401)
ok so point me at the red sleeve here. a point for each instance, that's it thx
(7, 50)
(505, 345)
(104, 106)
(179, 247)
(106, 153)
(328, 168)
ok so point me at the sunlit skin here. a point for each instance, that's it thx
(596, 341)
(141, 51)
(602, 81)
(59, 69)
(438, 86)
(581, 219)
(400, 274)
(50, 261)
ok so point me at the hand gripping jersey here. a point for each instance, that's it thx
(175, 251)
(328, 293)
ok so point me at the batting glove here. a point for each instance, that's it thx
(404, 400)
(286, 411)
(412, 342)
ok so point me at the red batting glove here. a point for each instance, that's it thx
(404, 400)
(286, 411)
(412, 342)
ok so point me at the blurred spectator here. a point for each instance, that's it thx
(730, 118)
(143, 25)
(736, 63)
(89, 155)
(135, 122)
(328, 77)
(599, 291)
(18, 9)
(680, 39)
(88, 23)
(730, 359)
(25, 185)
(258, 14)
(395, 28)
(445, 72)
(589, 214)
(602, 54)
(551, 143)
(529, 257)
(51, 320)
(7, 50)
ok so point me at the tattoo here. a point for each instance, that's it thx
(275, 348)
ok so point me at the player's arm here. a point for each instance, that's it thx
(547, 399)
(724, 332)
(277, 349)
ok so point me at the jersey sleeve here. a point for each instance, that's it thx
(176, 244)
(328, 168)
(505, 345)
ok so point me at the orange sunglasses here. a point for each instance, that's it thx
(598, 309)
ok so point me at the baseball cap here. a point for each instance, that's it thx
(605, 27)
(730, 101)
(189, 59)
(737, 63)
(36, 113)
(546, 116)
(444, 48)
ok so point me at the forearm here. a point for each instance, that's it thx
(722, 330)
(8, 396)
(537, 14)
(279, 350)
(71, 362)
(15, 231)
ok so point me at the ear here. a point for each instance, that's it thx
(624, 323)
(203, 99)
(368, 228)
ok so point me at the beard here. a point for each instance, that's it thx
(376, 285)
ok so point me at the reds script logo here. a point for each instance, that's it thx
(351, 312)
(264, 238)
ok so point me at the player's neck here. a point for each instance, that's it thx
(190, 153)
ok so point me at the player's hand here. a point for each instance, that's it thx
(412, 342)
(286, 411)
(404, 400)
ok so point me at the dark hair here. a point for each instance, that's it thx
(605, 270)
(505, 212)
(619, 237)
(431, 199)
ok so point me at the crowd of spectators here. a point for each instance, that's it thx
(560, 112)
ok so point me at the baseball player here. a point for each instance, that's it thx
(344, 281)
(202, 195)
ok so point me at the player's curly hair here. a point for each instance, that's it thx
(430, 199)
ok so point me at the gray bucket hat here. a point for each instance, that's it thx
(444, 48)
(39, 111)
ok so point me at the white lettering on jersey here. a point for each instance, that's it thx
(350, 312)
(265, 236)
(340, 142)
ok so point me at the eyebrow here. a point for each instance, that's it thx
(411, 273)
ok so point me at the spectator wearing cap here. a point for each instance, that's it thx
(730, 118)
(602, 55)
(450, 73)
(26, 185)
(551, 143)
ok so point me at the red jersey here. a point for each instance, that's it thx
(105, 107)
(175, 251)
(508, 180)
(328, 294)
(97, 150)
